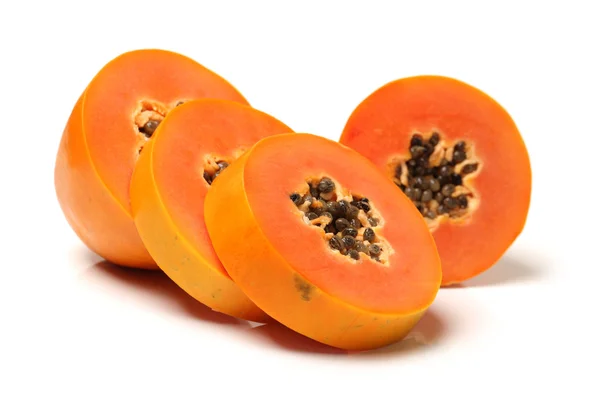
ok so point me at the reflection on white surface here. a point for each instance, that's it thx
(154, 291)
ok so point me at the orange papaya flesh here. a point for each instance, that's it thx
(470, 143)
(284, 261)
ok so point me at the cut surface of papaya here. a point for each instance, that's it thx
(191, 148)
(323, 242)
(458, 155)
(111, 122)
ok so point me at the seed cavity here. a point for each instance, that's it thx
(213, 167)
(438, 177)
(349, 223)
(147, 116)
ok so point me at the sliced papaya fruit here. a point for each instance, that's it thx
(458, 155)
(191, 148)
(324, 243)
(112, 120)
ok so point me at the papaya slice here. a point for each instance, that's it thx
(191, 148)
(323, 242)
(458, 155)
(111, 122)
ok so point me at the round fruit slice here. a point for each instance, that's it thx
(323, 242)
(458, 155)
(192, 147)
(110, 123)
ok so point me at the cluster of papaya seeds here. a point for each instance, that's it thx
(164, 164)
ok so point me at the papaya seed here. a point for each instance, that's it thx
(348, 241)
(434, 184)
(445, 170)
(311, 216)
(336, 243)
(469, 169)
(361, 247)
(439, 197)
(325, 214)
(295, 197)
(149, 127)
(458, 156)
(341, 224)
(352, 212)
(450, 203)
(374, 249)
(456, 179)
(430, 214)
(448, 189)
(416, 140)
(326, 185)
(427, 196)
(333, 208)
(355, 223)
(369, 235)
(350, 232)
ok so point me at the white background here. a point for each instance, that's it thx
(73, 327)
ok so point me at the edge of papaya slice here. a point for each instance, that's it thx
(285, 264)
(100, 144)
(382, 126)
(168, 188)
